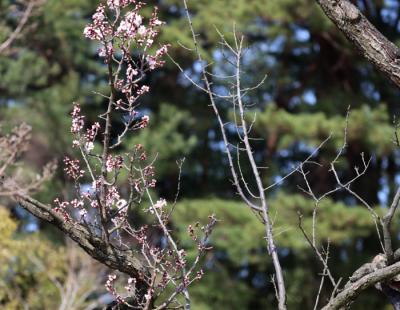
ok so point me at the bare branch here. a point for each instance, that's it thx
(324, 260)
(387, 221)
(237, 51)
(21, 24)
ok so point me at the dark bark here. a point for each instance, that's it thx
(391, 294)
(349, 294)
(117, 259)
(371, 43)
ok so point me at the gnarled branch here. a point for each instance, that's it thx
(372, 44)
(105, 253)
(377, 274)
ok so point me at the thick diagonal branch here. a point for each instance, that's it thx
(105, 253)
(352, 290)
(372, 44)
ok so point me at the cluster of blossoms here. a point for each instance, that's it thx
(148, 174)
(139, 150)
(78, 123)
(112, 196)
(191, 232)
(73, 169)
(61, 208)
(131, 26)
(121, 217)
(110, 288)
(181, 260)
(105, 204)
(114, 163)
(130, 288)
(153, 60)
(158, 206)
(91, 134)
(76, 204)
(101, 28)
(77, 119)
(144, 122)
(116, 43)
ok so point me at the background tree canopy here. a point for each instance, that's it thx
(313, 76)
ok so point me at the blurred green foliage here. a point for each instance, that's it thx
(365, 126)
(22, 280)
